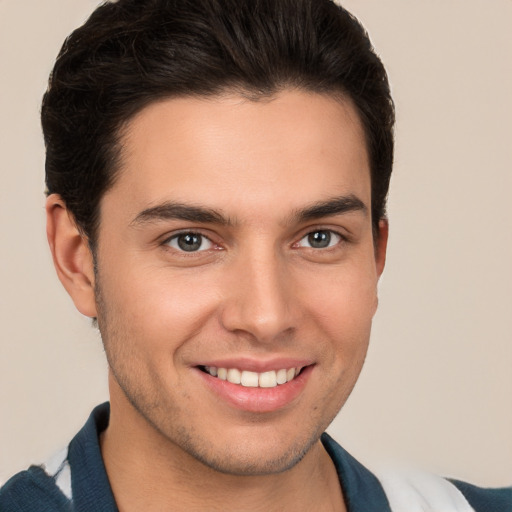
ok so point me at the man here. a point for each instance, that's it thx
(217, 174)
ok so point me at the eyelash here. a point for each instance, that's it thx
(331, 233)
(167, 242)
(339, 238)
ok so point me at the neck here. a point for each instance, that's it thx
(148, 472)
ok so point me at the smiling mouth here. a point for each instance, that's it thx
(248, 379)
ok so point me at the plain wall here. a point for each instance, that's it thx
(437, 385)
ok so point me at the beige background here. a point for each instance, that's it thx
(437, 386)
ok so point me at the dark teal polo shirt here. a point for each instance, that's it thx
(79, 483)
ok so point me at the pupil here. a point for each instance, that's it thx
(319, 239)
(189, 242)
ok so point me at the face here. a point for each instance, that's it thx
(237, 274)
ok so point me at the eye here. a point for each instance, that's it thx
(321, 239)
(189, 242)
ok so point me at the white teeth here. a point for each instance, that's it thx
(234, 376)
(249, 379)
(268, 380)
(281, 376)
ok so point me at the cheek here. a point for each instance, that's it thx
(155, 309)
(346, 302)
(343, 310)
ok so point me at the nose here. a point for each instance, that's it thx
(260, 300)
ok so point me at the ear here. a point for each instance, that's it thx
(381, 246)
(71, 254)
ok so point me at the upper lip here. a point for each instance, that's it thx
(257, 365)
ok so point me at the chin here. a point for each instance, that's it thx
(240, 462)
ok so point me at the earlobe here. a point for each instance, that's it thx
(381, 246)
(71, 254)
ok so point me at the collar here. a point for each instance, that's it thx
(91, 488)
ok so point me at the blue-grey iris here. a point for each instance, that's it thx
(319, 239)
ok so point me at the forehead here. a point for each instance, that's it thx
(294, 147)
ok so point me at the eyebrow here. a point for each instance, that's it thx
(331, 207)
(178, 211)
(172, 210)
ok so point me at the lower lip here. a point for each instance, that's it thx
(257, 399)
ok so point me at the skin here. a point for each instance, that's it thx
(256, 291)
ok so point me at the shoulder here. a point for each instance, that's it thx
(33, 490)
(485, 499)
(412, 490)
(74, 479)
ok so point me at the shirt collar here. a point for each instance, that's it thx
(91, 488)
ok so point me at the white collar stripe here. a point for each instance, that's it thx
(422, 492)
